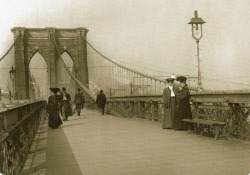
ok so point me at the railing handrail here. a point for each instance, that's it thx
(8, 109)
(16, 139)
(212, 96)
(229, 92)
(5, 134)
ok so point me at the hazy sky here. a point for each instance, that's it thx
(151, 34)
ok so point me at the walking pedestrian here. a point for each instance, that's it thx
(79, 101)
(53, 109)
(169, 103)
(101, 101)
(66, 109)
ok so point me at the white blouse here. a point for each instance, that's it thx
(172, 91)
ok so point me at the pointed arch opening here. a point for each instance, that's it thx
(38, 77)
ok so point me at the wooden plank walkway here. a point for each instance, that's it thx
(92, 144)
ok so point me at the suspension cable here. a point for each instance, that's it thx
(129, 69)
(91, 95)
(111, 60)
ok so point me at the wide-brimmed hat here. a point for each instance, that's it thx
(55, 90)
(181, 79)
(171, 78)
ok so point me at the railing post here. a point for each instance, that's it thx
(131, 88)
(156, 110)
(10, 95)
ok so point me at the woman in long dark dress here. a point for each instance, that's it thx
(183, 110)
(53, 109)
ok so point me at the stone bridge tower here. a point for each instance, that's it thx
(29, 41)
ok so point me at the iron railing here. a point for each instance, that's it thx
(150, 107)
(16, 138)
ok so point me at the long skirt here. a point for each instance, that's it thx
(183, 112)
(54, 119)
(169, 114)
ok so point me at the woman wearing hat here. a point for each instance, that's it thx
(53, 109)
(183, 110)
(169, 103)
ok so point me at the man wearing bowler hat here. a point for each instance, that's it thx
(169, 103)
(101, 101)
(66, 109)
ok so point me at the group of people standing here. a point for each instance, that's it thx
(59, 104)
(176, 105)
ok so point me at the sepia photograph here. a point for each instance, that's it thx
(124, 87)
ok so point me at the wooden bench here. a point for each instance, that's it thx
(212, 119)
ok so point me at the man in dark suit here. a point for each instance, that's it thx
(79, 101)
(101, 101)
(66, 109)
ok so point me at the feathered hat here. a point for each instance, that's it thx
(181, 79)
(55, 90)
(171, 78)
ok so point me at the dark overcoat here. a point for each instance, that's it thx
(169, 107)
(167, 96)
(79, 99)
(101, 100)
(66, 104)
(183, 110)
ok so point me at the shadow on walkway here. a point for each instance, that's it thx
(51, 154)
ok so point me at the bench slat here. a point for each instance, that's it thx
(225, 108)
(206, 122)
(213, 116)
(209, 116)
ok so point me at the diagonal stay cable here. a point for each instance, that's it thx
(91, 95)
(8, 50)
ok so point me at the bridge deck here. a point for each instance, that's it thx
(106, 145)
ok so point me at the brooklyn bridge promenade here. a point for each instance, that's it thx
(92, 144)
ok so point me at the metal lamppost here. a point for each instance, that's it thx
(12, 73)
(197, 34)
